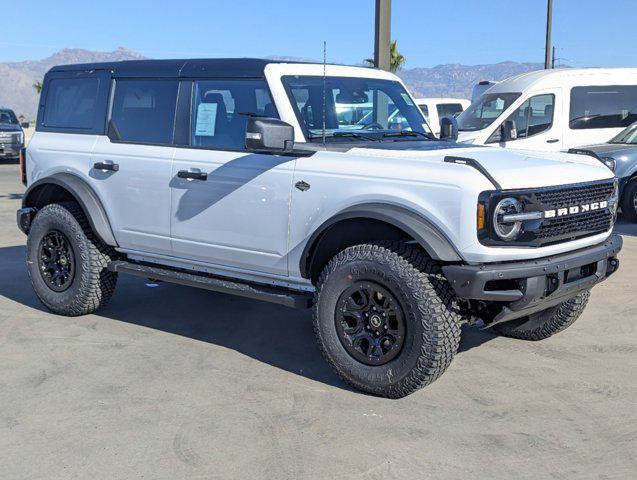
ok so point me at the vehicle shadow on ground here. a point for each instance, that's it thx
(279, 336)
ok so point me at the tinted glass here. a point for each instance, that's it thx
(361, 107)
(144, 110)
(485, 111)
(425, 111)
(603, 107)
(534, 116)
(70, 103)
(448, 109)
(628, 136)
(8, 117)
(221, 108)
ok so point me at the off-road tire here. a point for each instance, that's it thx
(628, 201)
(547, 323)
(427, 301)
(92, 285)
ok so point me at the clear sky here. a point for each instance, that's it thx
(586, 32)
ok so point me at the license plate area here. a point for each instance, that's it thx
(578, 273)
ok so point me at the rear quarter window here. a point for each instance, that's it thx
(70, 103)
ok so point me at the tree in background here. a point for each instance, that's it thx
(397, 59)
(38, 87)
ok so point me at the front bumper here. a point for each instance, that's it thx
(518, 289)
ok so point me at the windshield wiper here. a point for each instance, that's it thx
(343, 135)
(410, 133)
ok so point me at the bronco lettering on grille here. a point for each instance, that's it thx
(564, 211)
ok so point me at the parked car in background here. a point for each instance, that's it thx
(620, 155)
(480, 88)
(435, 109)
(11, 134)
(553, 110)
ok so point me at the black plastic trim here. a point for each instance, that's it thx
(84, 195)
(279, 295)
(435, 243)
(470, 281)
(475, 164)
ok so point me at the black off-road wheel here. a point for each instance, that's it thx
(542, 325)
(385, 318)
(67, 262)
(629, 201)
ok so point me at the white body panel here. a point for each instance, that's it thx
(238, 217)
(559, 82)
(137, 196)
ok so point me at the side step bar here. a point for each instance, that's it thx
(280, 295)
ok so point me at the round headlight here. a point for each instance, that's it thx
(507, 229)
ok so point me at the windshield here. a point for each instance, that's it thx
(8, 117)
(628, 135)
(484, 111)
(355, 108)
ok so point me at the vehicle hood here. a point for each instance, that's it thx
(10, 128)
(511, 169)
(614, 150)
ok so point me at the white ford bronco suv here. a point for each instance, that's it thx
(308, 185)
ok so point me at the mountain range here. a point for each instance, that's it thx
(17, 78)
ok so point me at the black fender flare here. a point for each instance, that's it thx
(85, 197)
(425, 233)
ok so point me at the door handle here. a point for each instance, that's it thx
(192, 175)
(553, 140)
(113, 167)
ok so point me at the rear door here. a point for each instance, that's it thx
(131, 166)
(230, 208)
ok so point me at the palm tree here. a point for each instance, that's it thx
(397, 59)
(38, 87)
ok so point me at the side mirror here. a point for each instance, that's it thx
(269, 135)
(24, 124)
(508, 131)
(449, 129)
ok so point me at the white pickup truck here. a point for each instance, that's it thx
(252, 177)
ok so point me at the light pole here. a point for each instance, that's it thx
(549, 21)
(383, 35)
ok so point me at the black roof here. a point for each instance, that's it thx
(213, 67)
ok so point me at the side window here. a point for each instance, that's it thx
(220, 111)
(70, 103)
(144, 110)
(448, 109)
(534, 116)
(425, 111)
(603, 107)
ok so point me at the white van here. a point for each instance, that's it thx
(436, 108)
(553, 110)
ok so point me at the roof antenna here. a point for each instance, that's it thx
(324, 87)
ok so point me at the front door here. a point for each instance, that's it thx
(230, 208)
(537, 120)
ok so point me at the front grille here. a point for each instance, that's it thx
(570, 227)
(576, 226)
(561, 225)
(576, 195)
